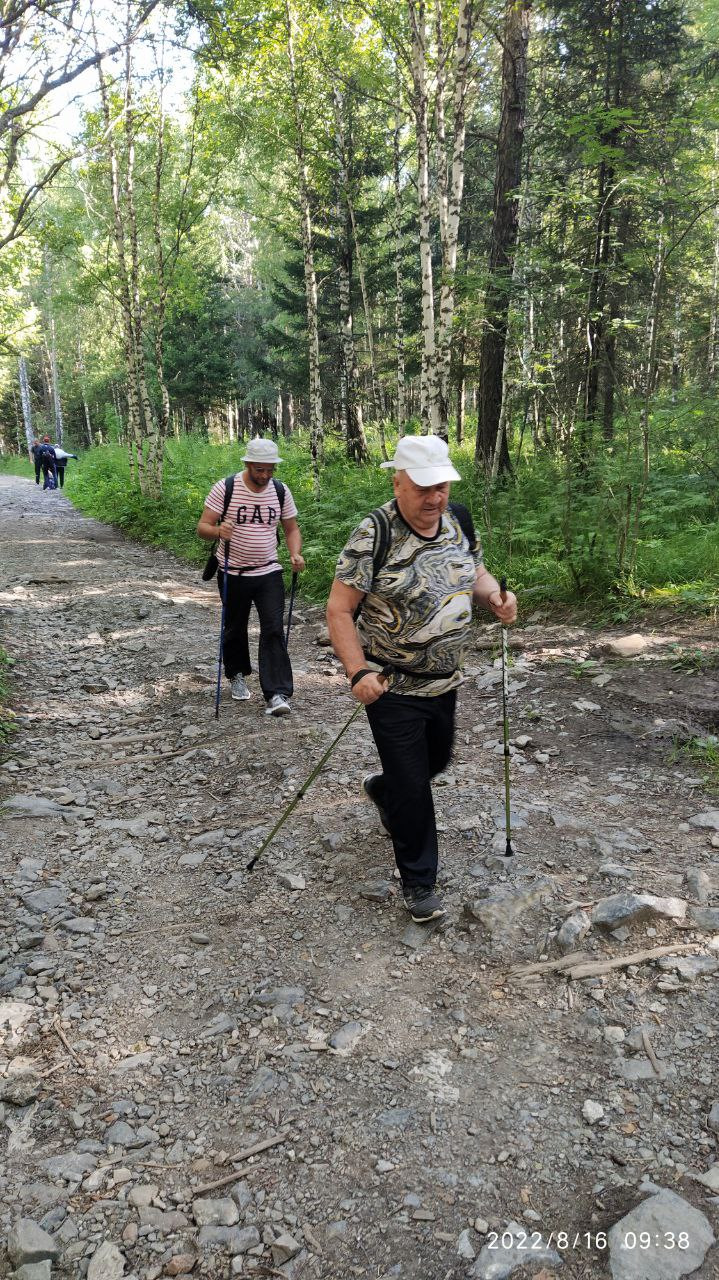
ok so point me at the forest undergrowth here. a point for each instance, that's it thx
(587, 532)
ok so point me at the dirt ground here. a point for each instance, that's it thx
(162, 1010)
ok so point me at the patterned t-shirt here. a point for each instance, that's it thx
(254, 517)
(417, 612)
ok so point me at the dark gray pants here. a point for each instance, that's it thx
(414, 739)
(267, 593)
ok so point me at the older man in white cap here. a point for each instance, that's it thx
(248, 526)
(413, 568)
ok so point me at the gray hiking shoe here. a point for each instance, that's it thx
(423, 903)
(278, 706)
(240, 692)
(371, 789)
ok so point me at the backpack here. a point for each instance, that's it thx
(46, 454)
(383, 537)
(212, 563)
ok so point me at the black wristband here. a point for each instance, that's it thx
(359, 675)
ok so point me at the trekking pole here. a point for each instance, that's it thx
(222, 632)
(293, 588)
(306, 785)
(509, 851)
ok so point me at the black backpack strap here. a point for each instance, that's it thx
(463, 516)
(280, 491)
(229, 489)
(382, 539)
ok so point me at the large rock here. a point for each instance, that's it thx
(664, 1216)
(27, 1242)
(709, 820)
(627, 646)
(232, 1240)
(71, 1167)
(106, 1263)
(575, 928)
(215, 1213)
(511, 1253)
(499, 910)
(622, 909)
(32, 807)
(284, 1248)
(44, 900)
(706, 918)
(34, 1271)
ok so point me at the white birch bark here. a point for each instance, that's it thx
(152, 470)
(399, 285)
(451, 188)
(418, 57)
(134, 443)
(713, 353)
(25, 401)
(315, 398)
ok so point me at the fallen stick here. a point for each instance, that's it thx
(121, 760)
(241, 1155)
(598, 967)
(125, 739)
(59, 1032)
(650, 1053)
(548, 966)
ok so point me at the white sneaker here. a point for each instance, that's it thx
(240, 692)
(278, 706)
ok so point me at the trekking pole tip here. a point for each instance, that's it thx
(251, 864)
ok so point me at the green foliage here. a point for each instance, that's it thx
(556, 553)
(12, 464)
(7, 717)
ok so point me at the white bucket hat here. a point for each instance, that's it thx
(425, 459)
(261, 450)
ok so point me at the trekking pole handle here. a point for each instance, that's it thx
(503, 586)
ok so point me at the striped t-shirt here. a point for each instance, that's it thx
(254, 517)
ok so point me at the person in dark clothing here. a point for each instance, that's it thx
(61, 460)
(48, 462)
(36, 459)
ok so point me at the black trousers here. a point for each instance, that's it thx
(60, 475)
(267, 593)
(414, 739)
(37, 472)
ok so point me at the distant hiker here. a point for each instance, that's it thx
(414, 568)
(35, 458)
(61, 461)
(48, 462)
(246, 521)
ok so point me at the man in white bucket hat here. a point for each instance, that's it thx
(414, 568)
(244, 511)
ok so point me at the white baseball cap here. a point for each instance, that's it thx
(425, 459)
(262, 451)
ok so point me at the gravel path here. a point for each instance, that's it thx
(162, 1012)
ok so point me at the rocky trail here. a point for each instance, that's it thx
(213, 1073)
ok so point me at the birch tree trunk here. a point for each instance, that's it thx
(713, 353)
(508, 176)
(418, 55)
(288, 413)
(401, 414)
(152, 469)
(451, 187)
(315, 389)
(156, 460)
(135, 441)
(25, 401)
(51, 345)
